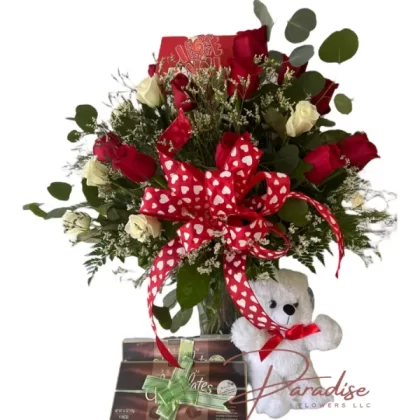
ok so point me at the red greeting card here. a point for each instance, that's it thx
(194, 53)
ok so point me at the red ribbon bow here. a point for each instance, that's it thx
(212, 204)
(295, 333)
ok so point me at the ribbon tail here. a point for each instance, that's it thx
(167, 259)
(269, 346)
(331, 220)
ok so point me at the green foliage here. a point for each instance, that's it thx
(74, 136)
(301, 55)
(295, 210)
(192, 287)
(262, 13)
(276, 121)
(180, 319)
(339, 47)
(169, 301)
(311, 82)
(60, 190)
(343, 103)
(300, 26)
(85, 118)
(287, 159)
(91, 194)
(163, 315)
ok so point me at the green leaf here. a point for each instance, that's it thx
(301, 55)
(88, 236)
(169, 301)
(294, 210)
(262, 13)
(91, 194)
(192, 287)
(343, 103)
(295, 92)
(312, 141)
(287, 159)
(277, 121)
(60, 190)
(276, 56)
(333, 136)
(74, 136)
(311, 82)
(85, 118)
(181, 318)
(339, 47)
(35, 209)
(300, 171)
(324, 122)
(112, 214)
(300, 26)
(170, 228)
(56, 213)
(163, 316)
(281, 228)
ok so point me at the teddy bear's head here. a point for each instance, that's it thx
(287, 299)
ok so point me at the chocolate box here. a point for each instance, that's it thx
(212, 348)
(131, 403)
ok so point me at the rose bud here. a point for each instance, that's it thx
(244, 70)
(148, 92)
(286, 66)
(324, 160)
(322, 99)
(142, 227)
(302, 119)
(105, 147)
(181, 99)
(152, 69)
(134, 165)
(248, 44)
(358, 149)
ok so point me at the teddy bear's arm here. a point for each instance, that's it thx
(328, 338)
(247, 337)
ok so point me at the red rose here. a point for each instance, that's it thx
(323, 99)
(152, 69)
(358, 149)
(324, 160)
(133, 164)
(105, 147)
(286, 66)
(181, 99)
(248, 44)
(240, 70)
(224, 148)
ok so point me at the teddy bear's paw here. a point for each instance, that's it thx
(330, 330)
(245, 336)
(273, 407)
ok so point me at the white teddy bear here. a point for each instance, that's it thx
(288, 301)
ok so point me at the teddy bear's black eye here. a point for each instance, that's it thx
(273, 304)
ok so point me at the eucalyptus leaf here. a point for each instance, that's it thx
(163, 315)
(169, 301)
(301, 55)
(87, 236)
(60, 190)
(287, 159)
(339, 47)
(181, 318)
(343, 103)
(192, 287)
(300, 26)
(311, 82)
(262, 13)
(300, 171)
(312, 141)
(56, 213)
(295, 210)
(74, 136)
(276, 56)
(277, 121)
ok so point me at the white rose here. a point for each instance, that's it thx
(96, 173)
(75, 223)
(357, 200)
(140, 227)
(148, 92)
(302, 119)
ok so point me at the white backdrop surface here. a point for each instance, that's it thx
(60, 339)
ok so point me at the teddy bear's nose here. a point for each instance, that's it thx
(289, 309)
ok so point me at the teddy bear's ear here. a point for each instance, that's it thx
(312, 297)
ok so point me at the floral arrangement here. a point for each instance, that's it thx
(164, 174)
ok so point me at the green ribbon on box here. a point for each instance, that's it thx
(171, 393)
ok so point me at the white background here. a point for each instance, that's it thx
(60, 340)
